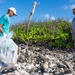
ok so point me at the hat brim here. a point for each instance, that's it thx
(15, 14)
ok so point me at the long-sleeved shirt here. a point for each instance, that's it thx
(73, 24)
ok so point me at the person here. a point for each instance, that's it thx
(5, 26)
(73, 27)
(5, 21)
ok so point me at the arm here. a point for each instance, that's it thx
(1, 28)
(2, 21)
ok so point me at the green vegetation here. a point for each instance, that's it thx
(55, 33)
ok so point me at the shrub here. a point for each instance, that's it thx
(55, 33)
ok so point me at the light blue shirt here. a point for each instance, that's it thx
(73, 24)
(5, 21)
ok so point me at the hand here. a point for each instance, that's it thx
(1, 30)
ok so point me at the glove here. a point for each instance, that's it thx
(4, 35)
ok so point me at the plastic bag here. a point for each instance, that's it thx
(8, 49)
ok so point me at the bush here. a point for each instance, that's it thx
(55, 33)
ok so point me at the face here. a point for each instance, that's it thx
(11, 13)
(74, 11)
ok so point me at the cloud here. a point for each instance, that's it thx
(69, 6)
(52, 18)
(49, 17)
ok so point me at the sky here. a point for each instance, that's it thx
(47, 9)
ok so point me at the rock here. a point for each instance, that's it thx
(57, 73)
(46, 74)
(69, 56)
(16, 73)
(69, 74)
(46, 57)
(45, 65)
(29, 66)
(38, 60)
(37, 65)
(37, 48)
(23, 72)
(53, 65)
(61, 65)
(67, 71)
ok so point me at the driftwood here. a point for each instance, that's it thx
(30, 16)
(70, 66)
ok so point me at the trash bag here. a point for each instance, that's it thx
(8, 49)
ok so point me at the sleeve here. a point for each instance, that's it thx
(2, 19)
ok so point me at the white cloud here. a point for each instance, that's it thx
(69, 6)
(46, 16)
(52, 18)
(49, 17)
